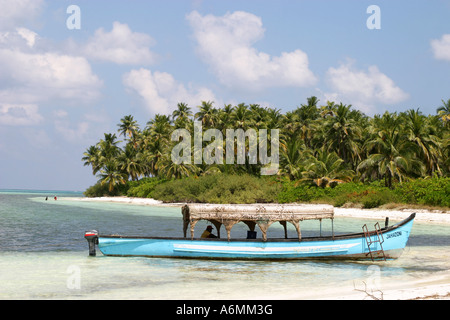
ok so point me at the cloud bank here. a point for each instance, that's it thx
(226, 45)
(13, 13)
(441, 47)
(120, 45)
(161, 93)
(32, 76)
(363, 89)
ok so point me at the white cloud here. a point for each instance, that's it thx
(28, 35)
(362, 89)
(161, 92)
(441, 47)
(226, 45)
(74, 135)
(80, 129)
(31, 76)
(43, 76)
(120, 45)
(19, 39)
(17, 12)
(19, 114)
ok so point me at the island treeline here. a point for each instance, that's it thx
(330, 152)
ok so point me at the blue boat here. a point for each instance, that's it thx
(377, 244)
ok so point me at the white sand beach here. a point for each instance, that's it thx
(435, 288)
(127, 200)
(438, 216)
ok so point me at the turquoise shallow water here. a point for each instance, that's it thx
(43, 255)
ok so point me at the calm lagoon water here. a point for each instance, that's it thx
(43, 255)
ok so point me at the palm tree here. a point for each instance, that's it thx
(305, 116)
(308, 111)
(181, 116)
(290, 124)
(444, 112)
(391, 153)
(291, 159)
(322, 145)
(128, 127)
(341, 134)
(326, 169)
(160, 120)
(241, 116)
(328, 110)
(91, 158)
(106, 150)
(157, 137)
(259, 116)
(130, 162)
(160, 129)
(418, 132)
(171, 170)
(274, 118)
(111, 175)
(224, 118)
(445, 158)
(207, 114)
(108, 147)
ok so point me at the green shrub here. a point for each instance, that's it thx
(232, 188)
(99, 190)
(433, 191)
(369, 195)
(143, 188)
(218, 188)
(376, 199)
(289, 193)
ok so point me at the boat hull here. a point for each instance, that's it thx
(350, 246)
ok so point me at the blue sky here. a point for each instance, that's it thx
(61, 88)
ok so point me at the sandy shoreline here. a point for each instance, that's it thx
(421, 215)
(426, 289)
(434, 216)
(126, 200)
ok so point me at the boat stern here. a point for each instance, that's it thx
(92, 239)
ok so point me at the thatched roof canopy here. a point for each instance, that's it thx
(262, 215)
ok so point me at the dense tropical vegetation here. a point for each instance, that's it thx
(329, 151)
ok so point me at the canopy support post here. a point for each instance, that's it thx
(193, 223)
(332, 227)
(297, 227)
(283, 223)
(228, 225)
(185, 213)
(264, 225)
(320, 227)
